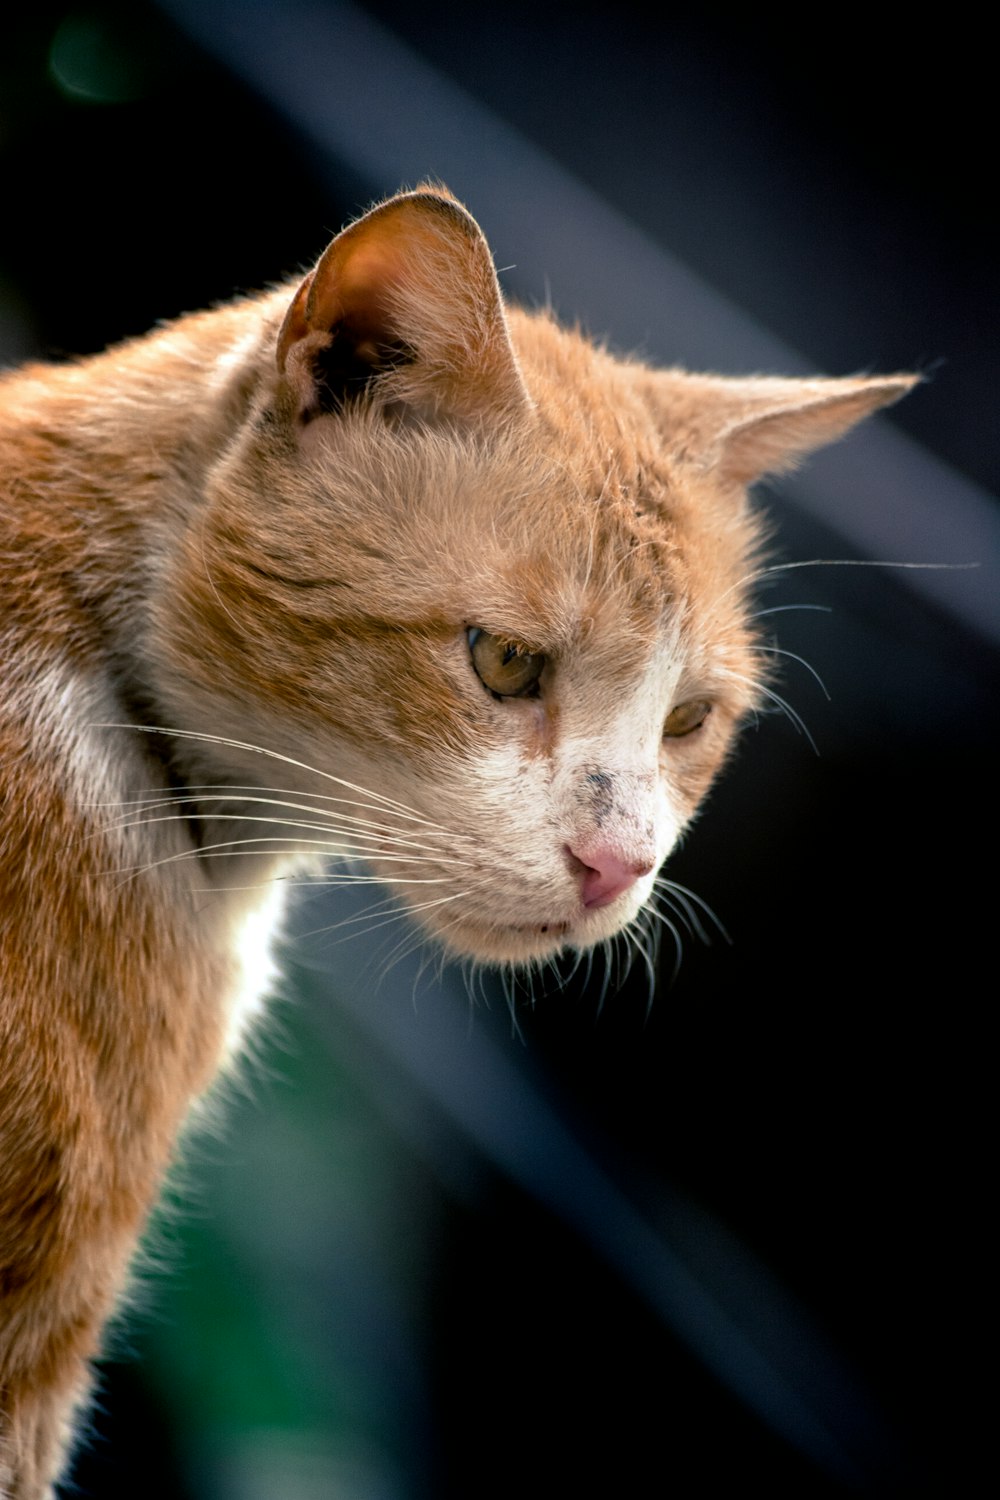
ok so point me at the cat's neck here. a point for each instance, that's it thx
(108, 456)
(107, 461)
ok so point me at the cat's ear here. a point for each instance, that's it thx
(745, 428)
(404, 306)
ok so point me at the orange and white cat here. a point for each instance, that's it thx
(373, 567)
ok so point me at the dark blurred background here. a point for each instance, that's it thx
(594, 1242)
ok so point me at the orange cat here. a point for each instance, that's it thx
(375, 567)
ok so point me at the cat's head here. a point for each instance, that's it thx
(492, 578)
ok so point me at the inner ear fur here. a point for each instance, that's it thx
(403, 306)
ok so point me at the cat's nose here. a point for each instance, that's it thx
(605, 873)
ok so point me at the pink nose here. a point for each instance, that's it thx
(604, 873)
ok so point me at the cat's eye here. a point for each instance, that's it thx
(686, 718)
(506, 667)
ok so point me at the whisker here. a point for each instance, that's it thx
(379, 908)
(688, 901)
(636, 949)
(348, 847)
(606, 950)
(778, 651)
(384, 918)
(674, 931)
(219, 739)
(371, 831)
(184, 802)
(835, 562)
(778, 609)
(780, 702)
(231, 847)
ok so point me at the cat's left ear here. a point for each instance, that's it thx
(403, 308)
(743, 429)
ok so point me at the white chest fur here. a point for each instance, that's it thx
(252, 934)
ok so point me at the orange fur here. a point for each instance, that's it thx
(242, 563)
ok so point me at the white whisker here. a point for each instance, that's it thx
(780, 702)
(778, 651)
(378, 917)
(232, 744)
(349, 835)
(688, 900)
(760, 574)
(780, 609)
(184, 813)
(636, 949)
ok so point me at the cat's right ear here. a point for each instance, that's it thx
(403, 310)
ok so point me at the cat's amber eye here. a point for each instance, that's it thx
(507, 668)
(686, 718)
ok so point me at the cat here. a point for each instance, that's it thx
(373, 566)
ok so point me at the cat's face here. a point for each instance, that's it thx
(491, 578)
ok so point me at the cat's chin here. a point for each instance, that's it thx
(498, 943)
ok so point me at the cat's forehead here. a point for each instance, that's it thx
(556, 544)
(570, 526)
(576, 551)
